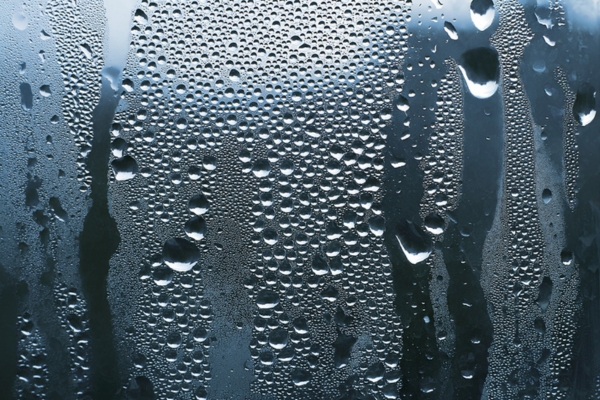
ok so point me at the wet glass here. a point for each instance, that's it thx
(299, 199)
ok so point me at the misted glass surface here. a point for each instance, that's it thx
(299, 199)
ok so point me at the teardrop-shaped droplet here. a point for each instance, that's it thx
(482, 13)
(480, 68)
(414, 242)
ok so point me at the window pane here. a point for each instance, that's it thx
(252, 199)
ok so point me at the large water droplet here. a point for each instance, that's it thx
(481, 70)
(584, 108)
(270, 236)
(20, 20)
(319, 265)
(482, 13)
(195, 228)
(450, 30)
(543, 299)
(261, 168)
(140, 17)
(45, 91)
(342, 350)
(377, 225)
(300, 325)
(402, 103)
(375, 372)
(199, 204)
(434, 224)
(546, 196)
(201, 393)
(234, 75)
(278, 338)
(300, 377)
(414, 242)
(200, 334)
(124, 168)
(566, 256)
(162, 275)
(267, 299)
(180, 254)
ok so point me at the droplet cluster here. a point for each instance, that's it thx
(32, 375)
(570, 148)
(79, 54)
(443, 173)
(74, 320)
(274, 115)
(515, 256)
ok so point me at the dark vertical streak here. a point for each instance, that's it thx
(464, 242)
(473, 328)
(98, 242)
(421, 360)
(583, 235)
(8, 334)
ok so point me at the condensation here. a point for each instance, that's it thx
(298, 200)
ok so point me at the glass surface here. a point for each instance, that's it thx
(299, 199)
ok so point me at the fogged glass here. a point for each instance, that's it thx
(299, 199)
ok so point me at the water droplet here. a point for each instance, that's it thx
(377, 225)
(481, 70)
(278, 338)
(549, 41)
(539, 66)
(180, 254)
(300, 325)
(162, 275)
(375, 372)
(261, 168)
(482, 13)
(546, 196)
(140, 17)
(195, 228)
(200, 393)
(234, 75)
(20, 20)
(402, 103)
(566, 256)
(543, 299)
(128, 85)
(174, 340)
(434, 224)
(584, 108)
(450, 30)
(86, 50)
(209, 163)
(319, 265)
(342, 350)
(270, 236)
(118, 147)
(300, 377)
(124, 168)
(414, 242)
(267, 299)
(199, 204)
(437, 3)
(200, 334)
(45, 91)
